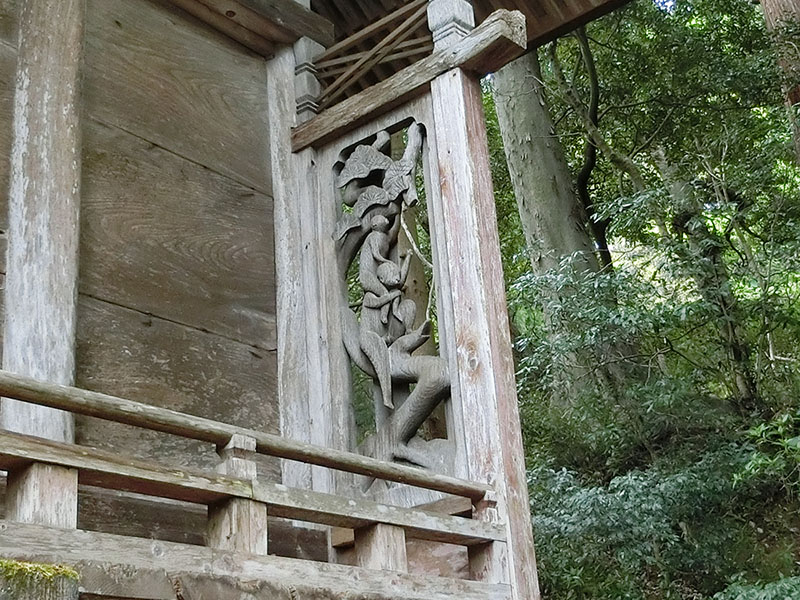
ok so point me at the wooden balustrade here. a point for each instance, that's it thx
(119, 410)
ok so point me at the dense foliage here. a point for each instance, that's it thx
(673, 469)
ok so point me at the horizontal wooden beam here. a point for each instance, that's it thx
(452, 505)
(113, 471)
(261, 24)
(119, 410)
(495, 42)
(294, 19)
(275, 577)
(341, 511)
(109, 470)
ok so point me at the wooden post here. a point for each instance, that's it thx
(381, 547)
(42, 263)
(39, 584)
(312, 373)
(481, 354)
(238, 524)
(475, 318)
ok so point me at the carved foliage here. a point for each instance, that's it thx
(377, 189)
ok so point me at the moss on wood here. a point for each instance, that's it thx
(17, 575)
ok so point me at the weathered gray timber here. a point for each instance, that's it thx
(489, 46)
(165, 236)
(260, 24)
(44, 198)
(381, 547)
(196, 372)
(9, 22)
(381, 342)
(243, 26)
(487, 409)
(292, 369)
(281, 576)
(8, 63)
(168, 79)
(237, 524)
(177, 301)
(42, 259)
(160, 419)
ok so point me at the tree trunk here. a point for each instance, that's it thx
(783, 23)
(553, 219)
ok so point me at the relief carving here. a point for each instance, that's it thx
(377, 189)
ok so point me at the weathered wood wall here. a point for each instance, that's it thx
(177, 299)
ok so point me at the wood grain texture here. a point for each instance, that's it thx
(135, 515)
(110, 470)
(486, 390)
(116, 471)
(488, 47)
(165, 236)
(261, 24)
(295, 18)
(42, 493)
(174, 82)
(306, 578)
(9, 21)
(292, 384)
(238, 525)
(44, 201)
(329, 509)
(125, 352)
(114, 581)
(235, 27)
(119, 410)
(381, 547)
(8, 65)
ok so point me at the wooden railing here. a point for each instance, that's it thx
(238, 502)
(119, 410)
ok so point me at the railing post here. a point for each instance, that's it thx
(42, 263)
(381, 547)
(238, 524)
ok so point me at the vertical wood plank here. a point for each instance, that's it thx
(465, 221)
(42, 263)
(313, 369)
(293, 392)
(381, 547)
(42, 255)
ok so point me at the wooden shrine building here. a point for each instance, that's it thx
(209, 268)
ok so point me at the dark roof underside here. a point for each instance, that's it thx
(546, 20)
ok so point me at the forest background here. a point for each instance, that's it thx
(649, 210)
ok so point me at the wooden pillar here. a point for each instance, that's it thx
(42, 263)
(313, 374)
(238, 524)
(381, 547)
(485, 401)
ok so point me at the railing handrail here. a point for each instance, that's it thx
(129, 412)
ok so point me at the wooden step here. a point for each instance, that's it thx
(117, 566)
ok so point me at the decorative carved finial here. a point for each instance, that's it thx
(449, 21)
(306, 85)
